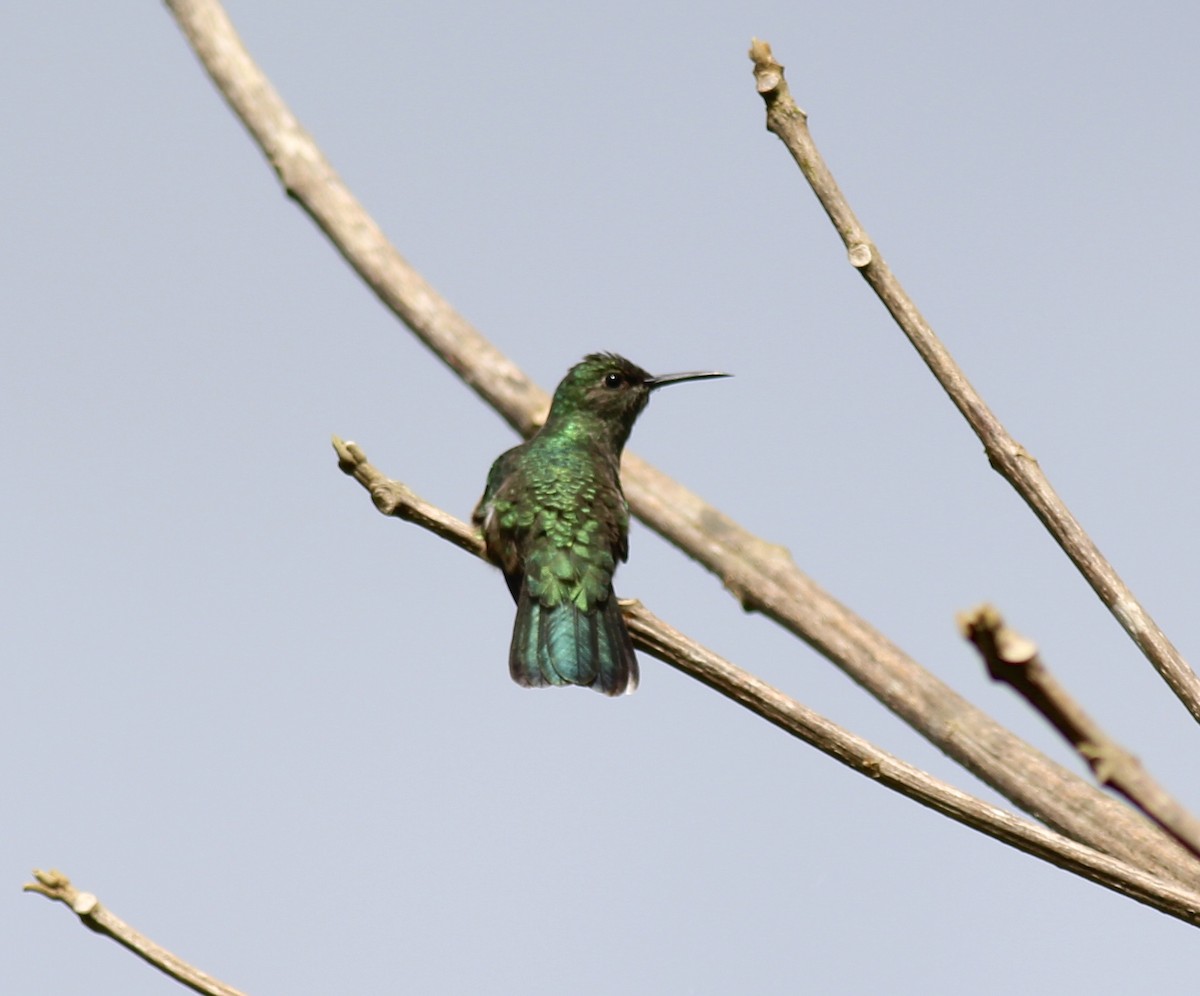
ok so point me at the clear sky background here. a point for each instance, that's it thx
(275, 730)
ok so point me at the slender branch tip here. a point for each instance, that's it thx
(350, 455)
(768, 74)
(1000, 644)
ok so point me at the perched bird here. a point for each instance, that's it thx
(554, 519)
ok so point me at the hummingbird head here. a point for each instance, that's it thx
(613, 390)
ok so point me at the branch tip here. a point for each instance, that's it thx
(52, 884)
(768, 74)
(983, 616)
(1000, 645)
(760, 53)
(352, 461)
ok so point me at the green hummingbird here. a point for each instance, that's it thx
(555, 520)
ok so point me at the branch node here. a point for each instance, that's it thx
(742, 592)
(1103, 760)
(85, 903)
(860, 255)
(389, 499)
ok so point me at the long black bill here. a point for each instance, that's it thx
(663, 379)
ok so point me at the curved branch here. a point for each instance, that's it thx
(761, 575)
(656, 637)
(55, 885)
(1004, 453)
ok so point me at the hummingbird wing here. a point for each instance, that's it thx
(495, 515)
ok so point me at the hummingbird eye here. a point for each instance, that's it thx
(613, 380)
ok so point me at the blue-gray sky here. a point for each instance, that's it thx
(276, 731)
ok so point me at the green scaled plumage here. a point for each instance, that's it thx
(555, 520)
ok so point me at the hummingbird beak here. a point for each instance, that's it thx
(663, 379)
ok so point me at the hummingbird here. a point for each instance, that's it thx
(555, 520)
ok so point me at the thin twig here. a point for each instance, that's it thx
(395, 499)
(55, 885)
(672, 647)
(760, 574)
(786, 120)
(1014, 660)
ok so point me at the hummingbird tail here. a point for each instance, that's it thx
(563, 645)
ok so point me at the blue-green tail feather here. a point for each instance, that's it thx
(563, 645)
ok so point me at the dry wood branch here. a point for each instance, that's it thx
(55, 885)
(672, 647)
(786, 120)
(760, 574)
(1014, 660)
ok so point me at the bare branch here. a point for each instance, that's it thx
(1014, 660)
(760, 574)
(55, 885)
(1004, 453)
(656, 637)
